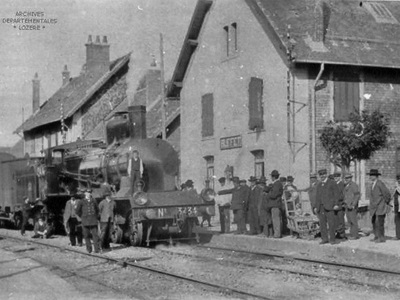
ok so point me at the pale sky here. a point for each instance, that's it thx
(130, 25)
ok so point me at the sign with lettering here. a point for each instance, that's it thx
(231, 142)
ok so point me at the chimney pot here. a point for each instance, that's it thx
(97, 57)
(105, 40)
(90, 39)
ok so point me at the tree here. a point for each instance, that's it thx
(356, 140)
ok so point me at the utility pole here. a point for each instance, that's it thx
(163, 131)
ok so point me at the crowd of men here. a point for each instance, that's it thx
(333, 199)
(83, 217)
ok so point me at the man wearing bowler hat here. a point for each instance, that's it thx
(274, 203)
(396, 207)
(340, 224)
(351, 194)
(240, 196)
(380, 196)
(312, 190)
(326, 203)
(255, 197)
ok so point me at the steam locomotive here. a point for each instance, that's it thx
(158, 211)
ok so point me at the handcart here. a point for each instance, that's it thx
(301, 221)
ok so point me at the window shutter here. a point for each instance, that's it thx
(256, 111)
(207, 115)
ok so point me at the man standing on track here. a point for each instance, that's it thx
(72, 222)
(107, 218)
(327, 201)
(88, 211)
(26, 212)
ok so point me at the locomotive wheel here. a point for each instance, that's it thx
(136, 237)
(116, 235)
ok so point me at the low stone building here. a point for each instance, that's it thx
(81, 107)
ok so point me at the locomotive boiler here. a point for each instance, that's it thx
(154, 209)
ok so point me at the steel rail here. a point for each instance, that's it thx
(149, 269)
(273, 268)
(298, 258)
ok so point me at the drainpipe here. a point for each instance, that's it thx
(313, 120)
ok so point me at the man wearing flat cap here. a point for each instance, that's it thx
(397, 207)
(380, 198)
(326, 203)
(107, 209)
(340, 224)
(351, 194)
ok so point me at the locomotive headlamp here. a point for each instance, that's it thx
(140, 198)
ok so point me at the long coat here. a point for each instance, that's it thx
(396, 200)
(327, 195)
(240, 197)
(69, 209)
(88, 211)
(253, 206)
(380, 195)
(274, 195)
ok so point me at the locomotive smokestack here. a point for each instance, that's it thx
(137, 118)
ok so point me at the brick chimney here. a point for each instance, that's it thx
(65, 75)
(321, 21)
(35, 93)
(97, 55)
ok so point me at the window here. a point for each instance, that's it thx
(346, 96)
(256, 111)
(207, 115)
(234, 37)
(226, 32)
(380, 12)
(210, 169)
(258, 163)
(231, 39)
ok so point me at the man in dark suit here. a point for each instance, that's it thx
(135, 168)
(240, 195)
(396, 207)
(26, 213)
(340, 224)
(326, 203)
(88, 211)
(72, 222)
(274, 203)
(380, 197)
(255, 197)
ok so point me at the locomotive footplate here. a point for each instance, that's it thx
(163, 216)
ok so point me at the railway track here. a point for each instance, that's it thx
(215, 287)
(349, 273)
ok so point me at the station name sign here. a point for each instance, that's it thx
(231, 142)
